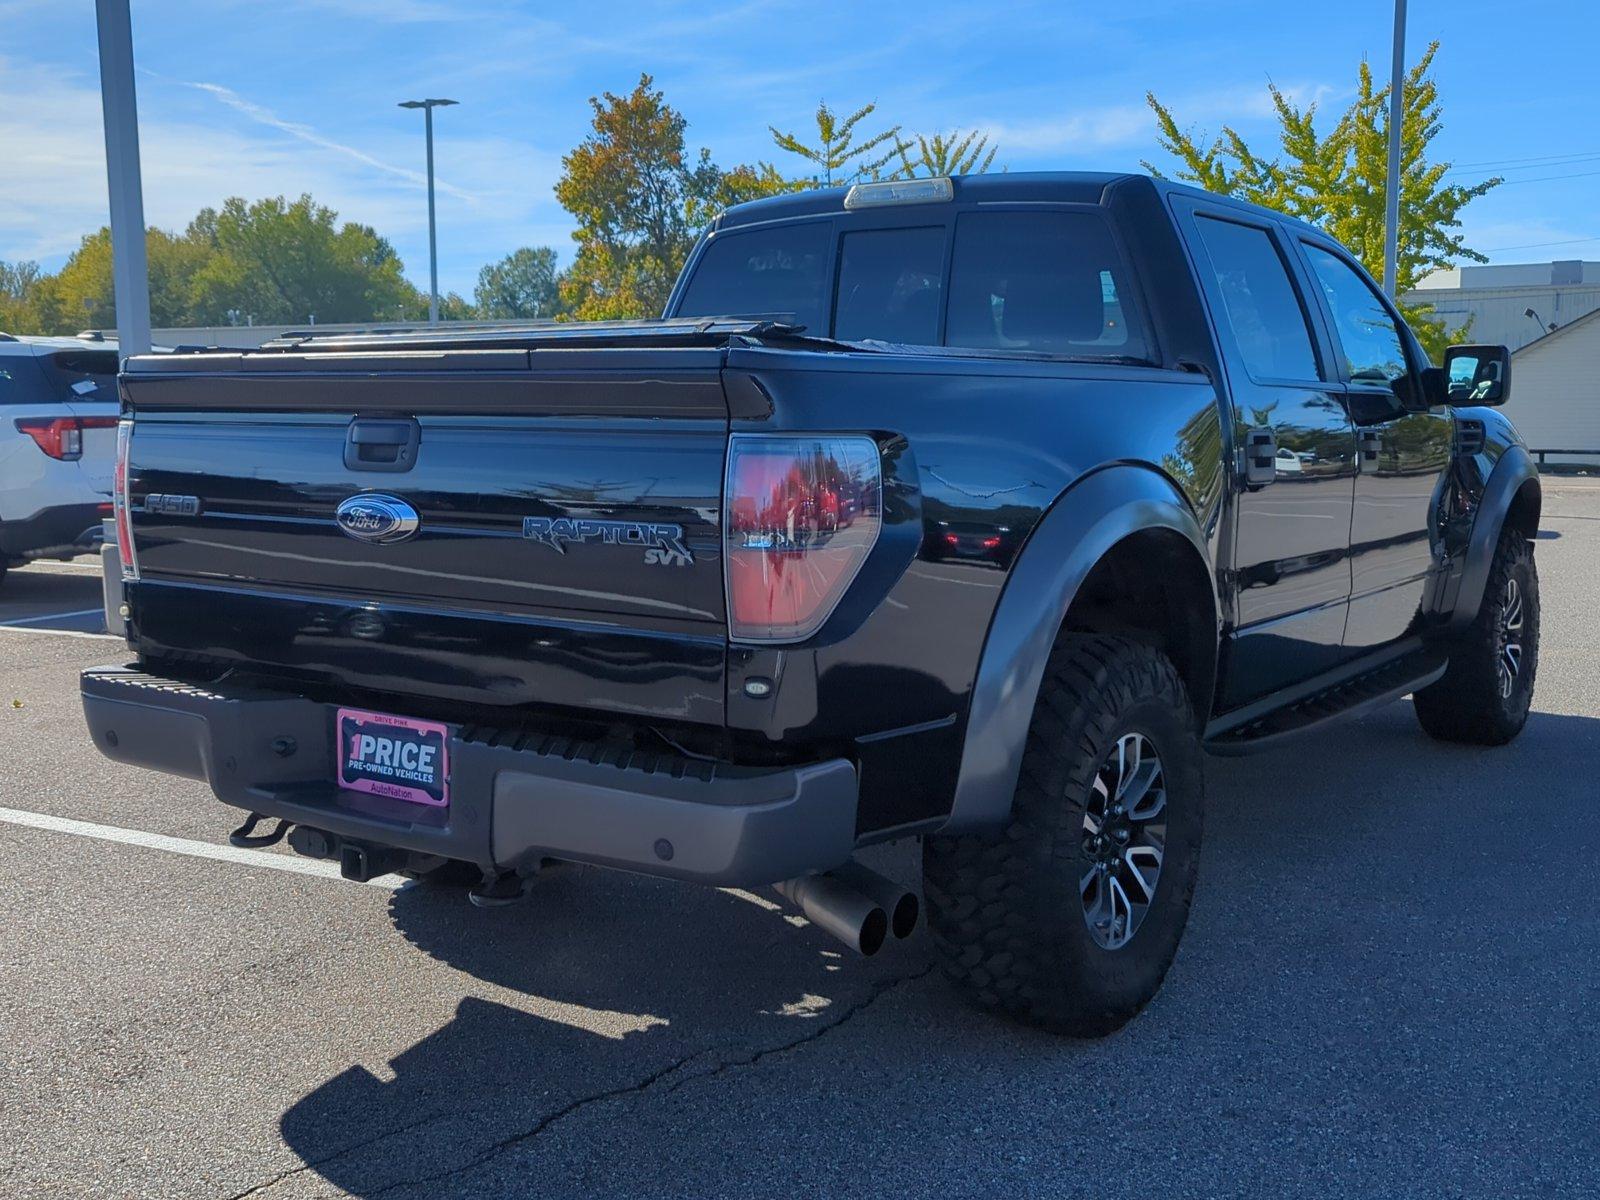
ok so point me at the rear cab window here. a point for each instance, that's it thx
(777, 271)
(1038, 280)
(1043, 282)
(890, 282)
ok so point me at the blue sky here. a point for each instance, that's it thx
(251, 98)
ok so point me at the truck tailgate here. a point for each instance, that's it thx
(556, 521)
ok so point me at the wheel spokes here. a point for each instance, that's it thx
(1144, 866)
(1123, 841)
(1511, 606)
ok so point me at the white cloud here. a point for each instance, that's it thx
(1118, 125)
(1133, 124)
(265, 116)
(53, 187)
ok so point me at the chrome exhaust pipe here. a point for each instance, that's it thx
(837, 908)
(897, 900)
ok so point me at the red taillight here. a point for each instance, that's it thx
(952, 539)
(803, 513)
(989, 543)
(59, 437)
(120, 502)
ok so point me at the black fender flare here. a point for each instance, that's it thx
(1086, 521)
(1514, 469)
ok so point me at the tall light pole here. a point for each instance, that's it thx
(427, 107)
(129, 270)
(1391, 215)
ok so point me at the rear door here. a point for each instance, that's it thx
(497, 526)
(1291, 562)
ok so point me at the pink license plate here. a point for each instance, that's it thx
(394, 756)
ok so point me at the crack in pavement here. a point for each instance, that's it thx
(265, 1184)
(644, 1085)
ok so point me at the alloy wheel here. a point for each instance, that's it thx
(1124, 839)
(1509, 661)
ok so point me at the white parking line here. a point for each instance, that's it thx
(77, 633)
(174, 845)
(61, 616)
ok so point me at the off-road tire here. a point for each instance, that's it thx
(1005, 910)
(1466, 703)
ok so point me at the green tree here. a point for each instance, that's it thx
(837, 155)
(640, 200)
(283, 263)
(21, 284)
(522, 285)
(1337, 179)
(955, 154)
(738, 185)
(82, 295)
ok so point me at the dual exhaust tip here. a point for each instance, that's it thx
(855, 904)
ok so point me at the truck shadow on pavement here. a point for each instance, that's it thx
(599, 986)
(1356, 925)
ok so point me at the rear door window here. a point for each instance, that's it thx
(1264, 311)
(779, 271)
(889, 286)
(22, 382)
(1046, 282)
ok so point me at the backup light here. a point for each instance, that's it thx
(899, 191)
(803, 514)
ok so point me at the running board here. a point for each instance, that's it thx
(1350, 697)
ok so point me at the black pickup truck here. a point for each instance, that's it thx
(973, 510)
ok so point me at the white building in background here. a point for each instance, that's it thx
(1555, 390)
(1496, 300)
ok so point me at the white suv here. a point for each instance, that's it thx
(58, 439)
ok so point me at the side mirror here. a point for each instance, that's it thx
(1477, 375)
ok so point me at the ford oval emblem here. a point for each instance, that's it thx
(371, 517)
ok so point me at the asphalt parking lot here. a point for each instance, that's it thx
(1390, 987)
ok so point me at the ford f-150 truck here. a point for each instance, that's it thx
(973, 510)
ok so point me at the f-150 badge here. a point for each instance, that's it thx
(662, 544)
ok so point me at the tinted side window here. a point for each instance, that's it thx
(889, 284)
(776, 272)
(1040, 281)
(1367, 333)
(22, 382)
(86, 374)
(1263, 308)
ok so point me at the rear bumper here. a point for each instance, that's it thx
(514, 798)
(69, 529)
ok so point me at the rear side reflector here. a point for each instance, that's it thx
(120, 502)
(803, 513)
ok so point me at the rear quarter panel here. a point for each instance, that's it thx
(982, 448)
